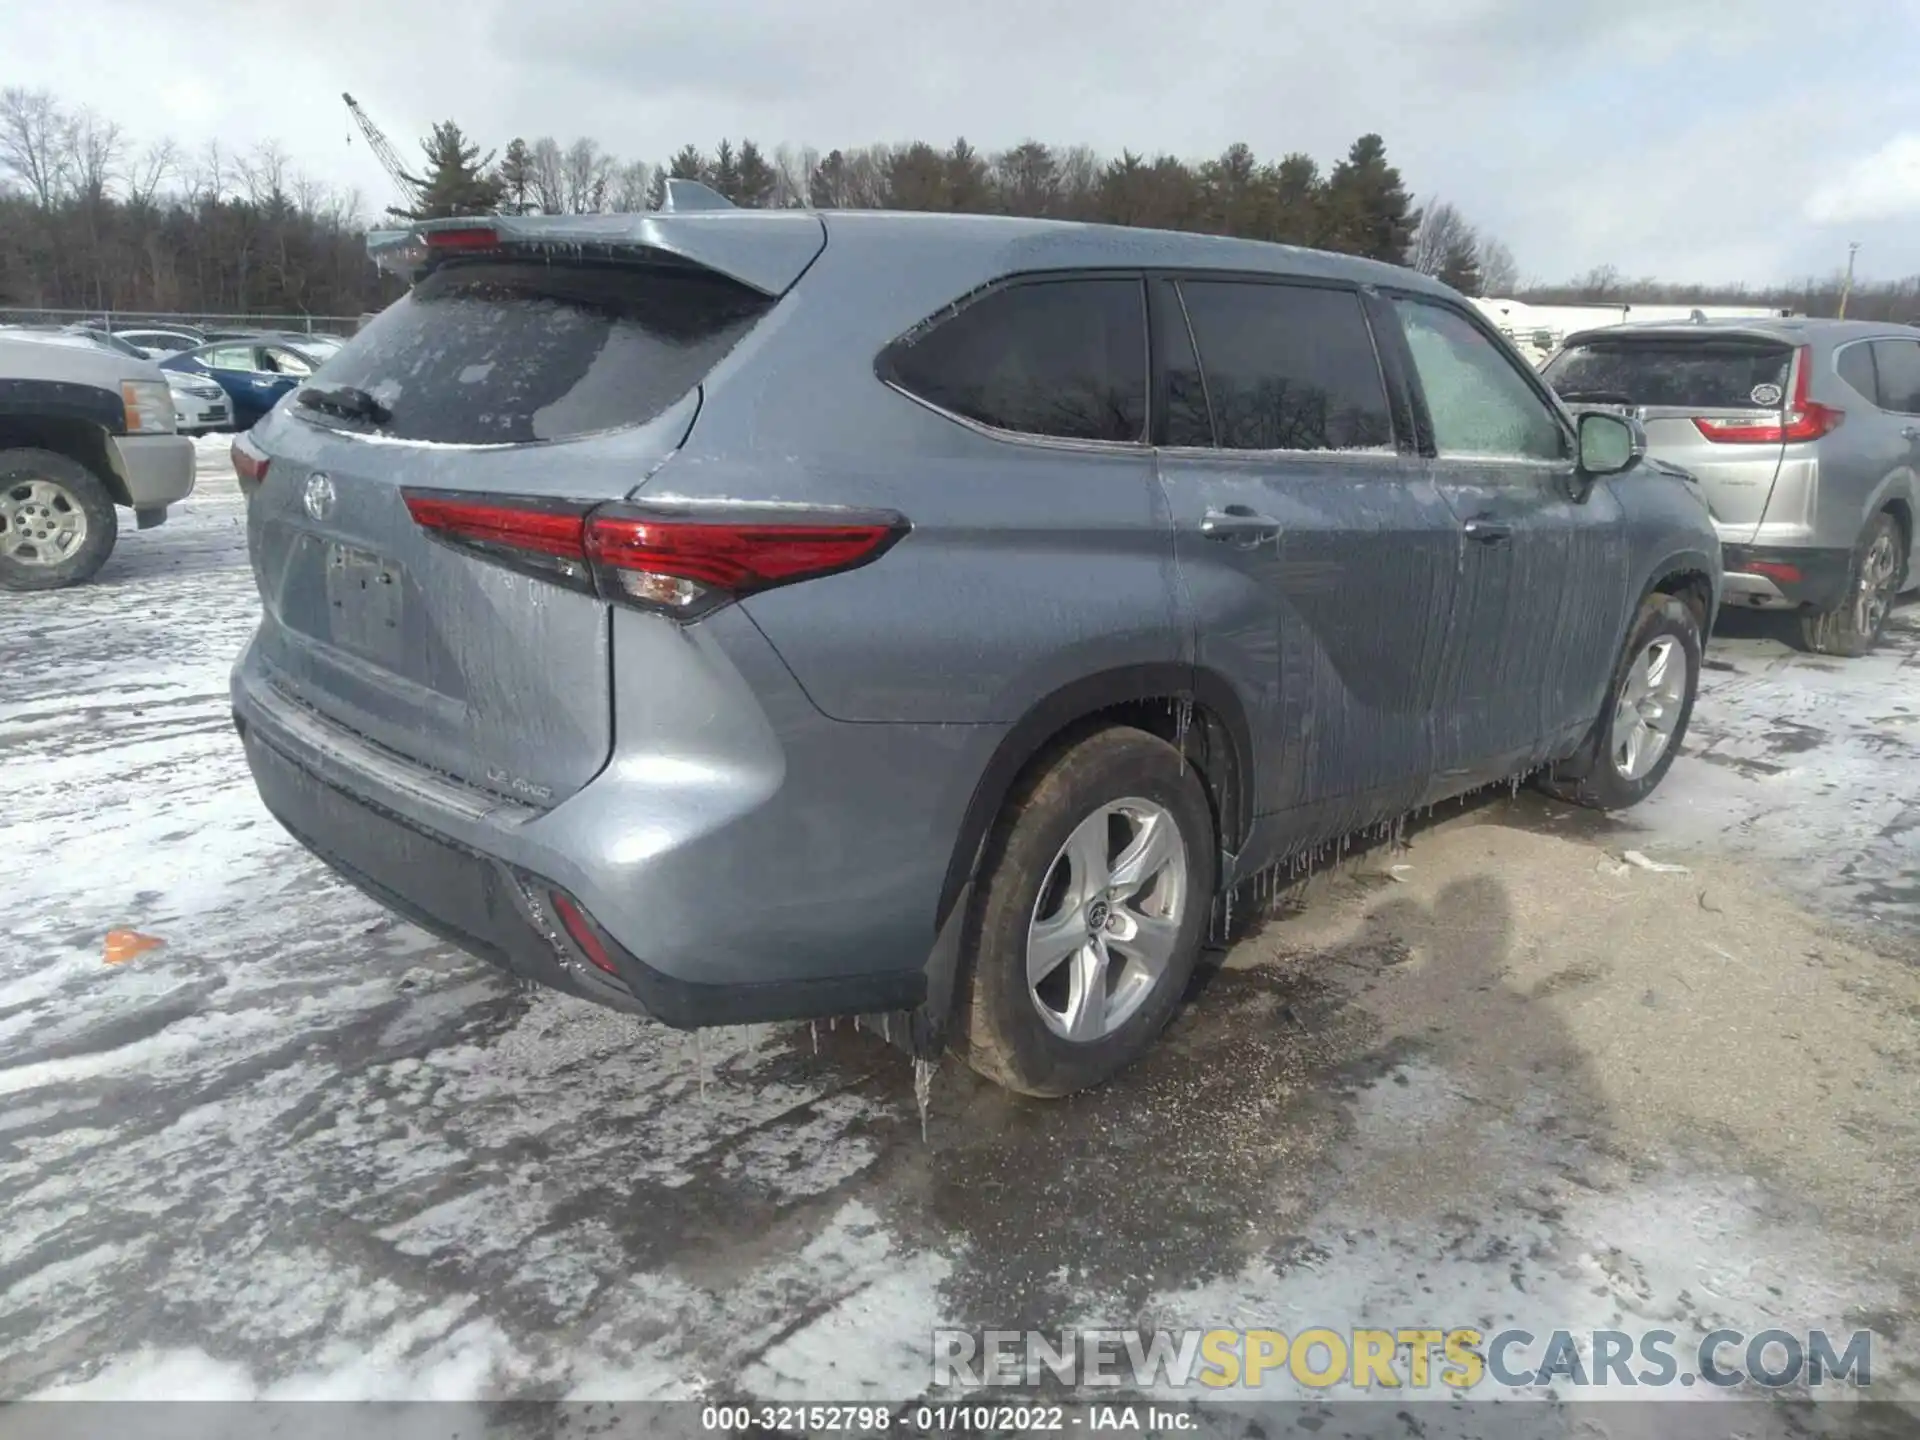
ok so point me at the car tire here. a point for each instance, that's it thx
(1648, 700)
(1112, 844)
(1852, 628)
(46, 500)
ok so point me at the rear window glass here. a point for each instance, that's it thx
(1695, 374)
(1065, 358)
(505, 353)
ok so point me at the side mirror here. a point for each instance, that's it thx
(1610, 443)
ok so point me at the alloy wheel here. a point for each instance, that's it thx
(41, 522)
(1107, 920)
(1649, 707)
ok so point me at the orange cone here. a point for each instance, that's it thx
(123, 945)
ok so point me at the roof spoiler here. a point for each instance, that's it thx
(697, 226)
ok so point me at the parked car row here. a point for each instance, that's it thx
(220, 379)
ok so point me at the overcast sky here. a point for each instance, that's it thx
(1692, 139)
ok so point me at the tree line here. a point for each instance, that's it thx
(89, 219)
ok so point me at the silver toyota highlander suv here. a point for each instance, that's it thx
(1804, 436)
(763, 615)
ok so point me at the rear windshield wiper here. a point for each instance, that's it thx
(1598, 397)
(346, 400)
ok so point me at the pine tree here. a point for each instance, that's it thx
(754, 179)
(917, 179)
(1368, 211)
(516, 177)
(457, 181)
(689, 164)
(1299, 197)
(969, 186)
(726, 172)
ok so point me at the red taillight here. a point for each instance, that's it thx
(248, 463)
(475, 237)
(683, 564)
(1804, 418)
(582, 932)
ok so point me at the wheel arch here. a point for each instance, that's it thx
(83, 441)
(1691, 577)
(1195, 709)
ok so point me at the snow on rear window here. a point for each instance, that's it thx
(1695, 374)
(491, 352)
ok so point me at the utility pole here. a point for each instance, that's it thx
(1846, 286)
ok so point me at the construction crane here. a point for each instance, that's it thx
(383, 152)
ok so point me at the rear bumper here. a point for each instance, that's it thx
(714, 901)
(505, 915)
(1785, 577)
(157, 469)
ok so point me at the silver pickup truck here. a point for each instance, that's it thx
(82, 430)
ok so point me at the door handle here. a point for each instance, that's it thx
(1912, 432)
(1239, 525)
(1486, 532)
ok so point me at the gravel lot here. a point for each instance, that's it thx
(306, 1151)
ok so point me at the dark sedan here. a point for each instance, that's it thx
(255, 374)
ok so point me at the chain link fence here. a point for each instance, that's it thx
(198, 320)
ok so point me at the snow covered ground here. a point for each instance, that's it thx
(304, 1150)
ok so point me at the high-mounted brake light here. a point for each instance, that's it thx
(476, 237)
(1803, 419)
(685, 564)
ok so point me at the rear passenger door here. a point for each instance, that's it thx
(1317, 558)
(1544, 575)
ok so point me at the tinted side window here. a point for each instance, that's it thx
(1479, 402)
(1288, 367)
(1189, 417)
(1065, 358)
(1855, 366)
(1898, 362)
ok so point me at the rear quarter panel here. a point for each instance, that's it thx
(1029, 564)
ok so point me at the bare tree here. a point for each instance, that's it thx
(549, 176)
(212, 174)
(1443, 231)
(96, 148)
(632, 186)
(1499, 273)
(793, 170)
(159, 164)
(35, 142)
(587, 172)
(263, 174)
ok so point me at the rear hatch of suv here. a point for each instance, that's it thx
(1712, 402)
(421, 497)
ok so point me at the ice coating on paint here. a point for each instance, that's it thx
(923, 1091)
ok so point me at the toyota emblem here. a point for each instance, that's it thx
(318, 497)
